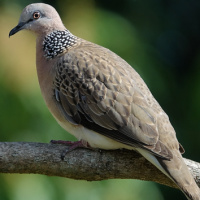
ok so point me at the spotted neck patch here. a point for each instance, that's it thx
(57, 42)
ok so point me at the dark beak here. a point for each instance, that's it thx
(17, 28)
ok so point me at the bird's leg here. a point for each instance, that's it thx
(73, 145)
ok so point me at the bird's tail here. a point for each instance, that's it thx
(178, 172)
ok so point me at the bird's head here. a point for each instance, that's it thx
(39, 18)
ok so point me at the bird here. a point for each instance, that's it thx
(100, 99)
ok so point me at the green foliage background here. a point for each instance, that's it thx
(159, 38)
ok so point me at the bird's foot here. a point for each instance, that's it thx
(73, 145)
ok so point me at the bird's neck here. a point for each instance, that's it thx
(57, 42)
(44, 69)
(48, 48)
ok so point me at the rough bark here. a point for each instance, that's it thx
(82, 164)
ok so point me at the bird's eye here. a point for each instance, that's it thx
(36, 15)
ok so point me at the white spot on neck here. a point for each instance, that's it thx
(57, 42)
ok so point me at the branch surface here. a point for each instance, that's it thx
(82, 164)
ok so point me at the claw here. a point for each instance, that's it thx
(67, 143)
(73, 145)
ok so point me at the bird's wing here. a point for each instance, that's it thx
(99, 90)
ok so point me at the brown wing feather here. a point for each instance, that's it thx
(103, 89)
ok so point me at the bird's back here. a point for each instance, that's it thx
(114, 96)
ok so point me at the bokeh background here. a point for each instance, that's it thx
(159, 38)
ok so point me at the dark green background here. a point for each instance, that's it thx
(160, 39)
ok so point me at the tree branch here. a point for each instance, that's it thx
(82, 164)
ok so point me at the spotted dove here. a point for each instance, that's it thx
(100, 99)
